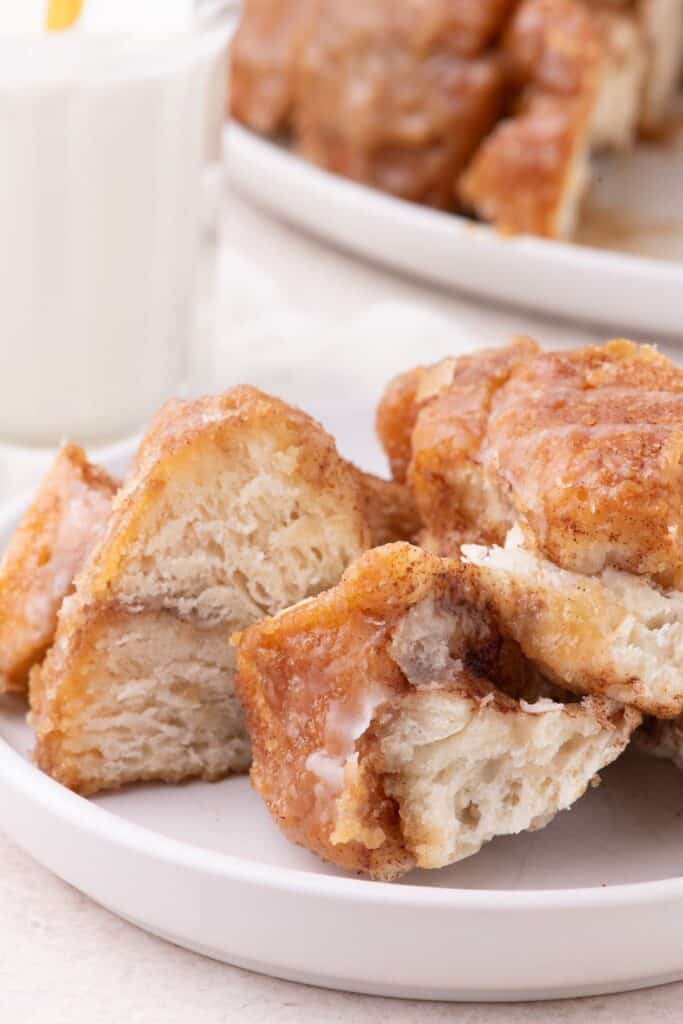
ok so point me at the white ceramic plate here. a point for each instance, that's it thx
(593, 903)
(633, 282)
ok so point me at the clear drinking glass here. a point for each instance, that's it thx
(110, 161)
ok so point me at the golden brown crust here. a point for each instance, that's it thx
(263, 61)
(473, 25)
(396, 416)
(329, 645)
(453, 499)
(397, 413)
(582, 447)
(386, 96)
(62, 678)
(522, 176)
(336, 648)
(432, 422)
(46, 551)
(589, 443)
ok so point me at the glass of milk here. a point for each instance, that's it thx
(110, 142)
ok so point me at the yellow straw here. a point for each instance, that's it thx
(62, 14)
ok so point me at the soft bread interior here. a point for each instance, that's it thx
(154, 704)
(238, 535)
(465, 767)
(381, 736)
(615, 118)
(613, 633)
(662, 22)
(576, 185)
(466, 762)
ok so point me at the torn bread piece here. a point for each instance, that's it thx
(433, 423)
(264, 55)
(562, 442)
(613, 633)
(659, 26)
(403, 398)
(471, 379)
(32, 594)
(395, 420)
(530, 174)
(237, 506)
(47, 548)
(380, 739)
(616, 116)
(662, 26)
(583, 447)
(398, 96)
(455, 497)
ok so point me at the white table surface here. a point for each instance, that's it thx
(294, 317)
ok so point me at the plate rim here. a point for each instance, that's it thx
(86, 816)
(551, 248)
(39, 789)
(627, 293)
